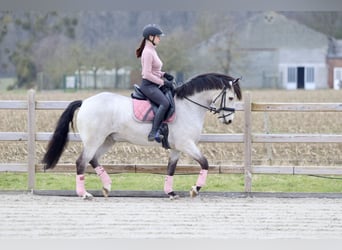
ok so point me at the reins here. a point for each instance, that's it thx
(214, 109)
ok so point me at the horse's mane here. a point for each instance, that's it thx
(207, 82)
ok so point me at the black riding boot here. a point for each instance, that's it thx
(158, 119)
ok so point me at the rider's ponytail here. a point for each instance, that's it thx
(139, 50)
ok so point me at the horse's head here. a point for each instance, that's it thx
(224, 91)
(223, 104)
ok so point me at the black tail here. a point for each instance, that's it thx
(59, 139)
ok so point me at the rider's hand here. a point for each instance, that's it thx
(168, 84)
(168, 76)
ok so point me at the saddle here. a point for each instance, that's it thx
(144, 110)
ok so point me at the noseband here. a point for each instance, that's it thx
(222, 107)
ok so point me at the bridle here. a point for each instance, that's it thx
(222, 107)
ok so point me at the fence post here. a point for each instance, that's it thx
(248, 142)
(268, 145)
(31, 144)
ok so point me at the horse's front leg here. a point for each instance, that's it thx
(202, 178)
(171, 168)
(192, 150)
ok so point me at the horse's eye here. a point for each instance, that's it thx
(231, 98)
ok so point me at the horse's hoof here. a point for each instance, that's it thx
(105, 192)
(87, 196)
(173, 197)
(193, 192)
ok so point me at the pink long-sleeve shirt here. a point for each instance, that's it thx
(151, 64)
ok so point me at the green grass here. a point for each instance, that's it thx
(155, 182)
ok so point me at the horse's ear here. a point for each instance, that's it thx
(237, 80)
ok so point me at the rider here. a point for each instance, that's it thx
(152, 77)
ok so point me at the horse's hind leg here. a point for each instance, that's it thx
(88, 154)
(80, 177)
(100, 171)
(104, 177)
(171, 168)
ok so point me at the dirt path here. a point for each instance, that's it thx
(28, 216)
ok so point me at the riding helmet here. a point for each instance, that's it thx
(151, 30)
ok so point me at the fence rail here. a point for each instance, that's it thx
(247, 138)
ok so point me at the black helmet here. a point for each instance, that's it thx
(151, 30)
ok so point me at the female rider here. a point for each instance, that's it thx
(152, 77)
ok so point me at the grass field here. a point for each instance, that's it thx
(303, 154)
(155, 182)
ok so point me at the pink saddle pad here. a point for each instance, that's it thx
(143, 111)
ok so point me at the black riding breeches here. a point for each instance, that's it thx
(152, 91)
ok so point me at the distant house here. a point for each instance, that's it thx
(269, 50)
(334, 61)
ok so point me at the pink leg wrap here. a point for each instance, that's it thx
(80, 188)
(168, 184)
(201, 180)
(101, 172)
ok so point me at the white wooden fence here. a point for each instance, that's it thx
(247, 138)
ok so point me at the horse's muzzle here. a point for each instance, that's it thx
(227, 122)
(227, 118)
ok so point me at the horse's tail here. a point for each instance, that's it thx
(59, 138)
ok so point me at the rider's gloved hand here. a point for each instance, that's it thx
(168, 76)
(168, 84)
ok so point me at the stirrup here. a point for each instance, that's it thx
(151, 136)
(158, 136)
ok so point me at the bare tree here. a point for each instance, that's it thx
(174, 52)
(117, 54)
(219, 50)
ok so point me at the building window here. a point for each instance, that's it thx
(337, 78)
(338, 74)
(291, 74)
(310, 74)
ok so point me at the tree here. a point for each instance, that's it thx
(5, 19)
(26, 70)
(218, 47)
(173, 52)
(36, 27)
(117, 54)
(78, 53)
(64, 59)
(225, 52)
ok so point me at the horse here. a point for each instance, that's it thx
(107, 117)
